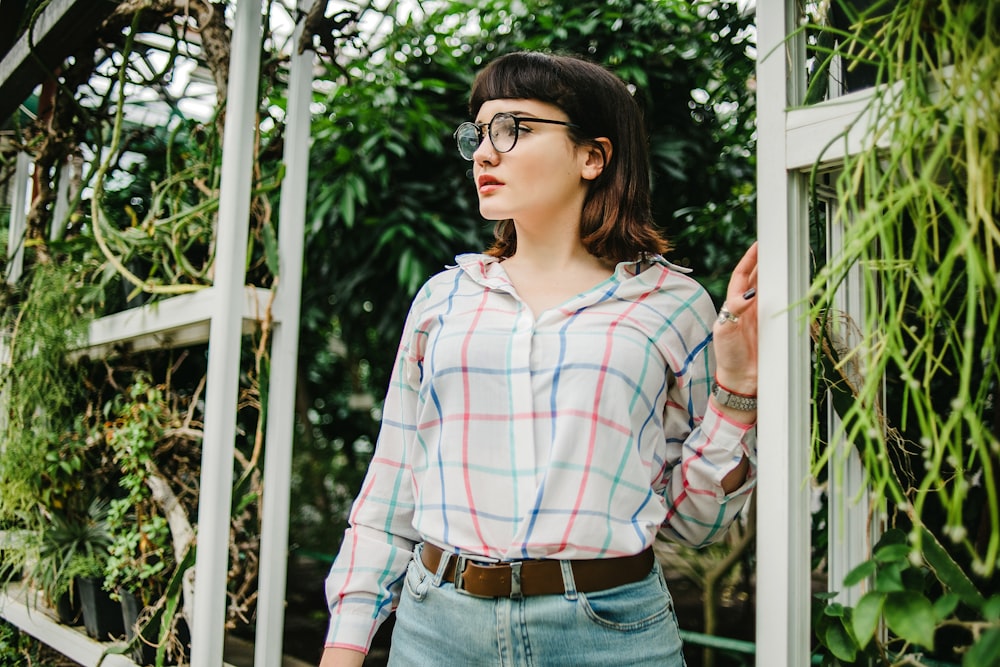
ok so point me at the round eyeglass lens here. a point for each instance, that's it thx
(468, 138)
(503, 132)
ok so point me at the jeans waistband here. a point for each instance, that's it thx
(535, 577)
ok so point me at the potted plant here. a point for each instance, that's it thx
(135, 576)
(102, 616)
(141, 555)
(69, 517)
(71, 555)
(70, 547)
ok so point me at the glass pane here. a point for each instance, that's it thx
(833, 42)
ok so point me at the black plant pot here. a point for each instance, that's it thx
(144, 652)
(102, 616)
(68, 607)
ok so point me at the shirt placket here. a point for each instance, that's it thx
(522, 406)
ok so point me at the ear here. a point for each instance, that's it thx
(596, 157)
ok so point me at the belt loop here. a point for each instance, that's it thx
(515, 580)
(446, 557)
(461, 562)
(569, 583)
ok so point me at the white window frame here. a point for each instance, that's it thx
(791, 140)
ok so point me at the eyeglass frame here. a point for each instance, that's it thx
(489, 130)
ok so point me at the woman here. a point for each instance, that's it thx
(555, 403)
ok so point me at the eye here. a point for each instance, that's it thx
(504, 127)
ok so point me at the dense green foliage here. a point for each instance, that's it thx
(916, 386)
(48, 325)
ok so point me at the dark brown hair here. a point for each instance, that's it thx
(617, 223)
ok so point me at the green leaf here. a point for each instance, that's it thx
(840, 642)
(835, 610)
(890, 579)
(860, 573)
(945, 605)
(891, 536)
(270, 248)
(949, 573)
(347, 208)
(893, 553)
(911, 616)
(991, 610)
(986, 651)
(865, 618)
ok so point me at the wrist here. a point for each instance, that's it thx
(739, 383)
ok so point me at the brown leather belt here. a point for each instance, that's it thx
(536, 577)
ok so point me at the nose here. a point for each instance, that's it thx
(485, 153)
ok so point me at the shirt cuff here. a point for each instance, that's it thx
(740, 427)
(352, 631)
(731, 441)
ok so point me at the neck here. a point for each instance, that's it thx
(550, 242)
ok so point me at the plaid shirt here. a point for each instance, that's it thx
(576, 433)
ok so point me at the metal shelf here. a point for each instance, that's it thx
(33, 617)
(58, 29)
(174, 322)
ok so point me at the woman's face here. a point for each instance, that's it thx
(544, 176)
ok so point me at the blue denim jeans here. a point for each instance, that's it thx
(438, 626)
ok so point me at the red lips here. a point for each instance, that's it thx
(486, 180)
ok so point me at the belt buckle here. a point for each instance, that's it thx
(461, 563)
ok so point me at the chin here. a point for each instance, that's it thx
(491, 214)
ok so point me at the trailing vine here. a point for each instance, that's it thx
(920, 205)
(97, 216)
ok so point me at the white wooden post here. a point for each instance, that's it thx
(783, 564)
(60, 209)
(284, 360)
(225, 333)
(18, 218)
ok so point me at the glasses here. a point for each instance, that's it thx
(503, 131)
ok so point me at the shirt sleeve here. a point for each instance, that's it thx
(703, 446)
(365, 579)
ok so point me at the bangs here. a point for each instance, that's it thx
(523, 76)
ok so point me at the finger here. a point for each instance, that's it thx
(746, 268)
(752, 286)
(743, 282)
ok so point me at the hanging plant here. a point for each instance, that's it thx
(918, 391)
